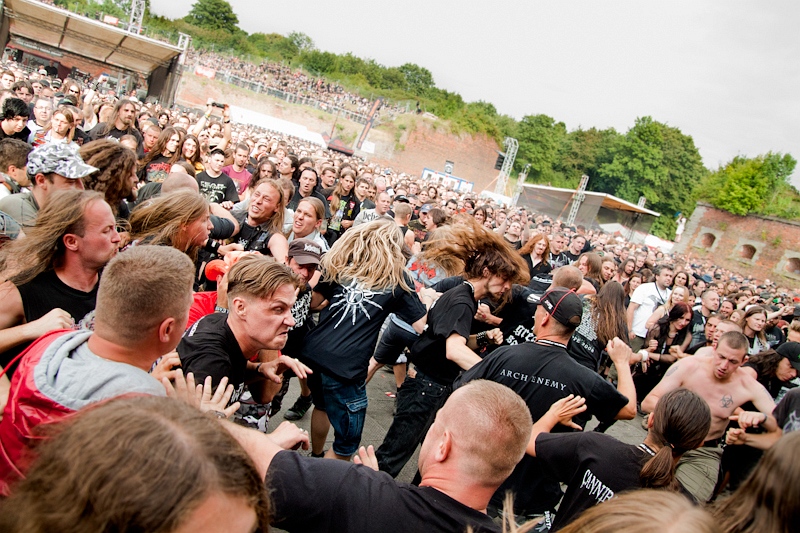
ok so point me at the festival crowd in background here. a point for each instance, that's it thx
(166, 272)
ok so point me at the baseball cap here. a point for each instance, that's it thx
(791, 351)
(401, 198)
(563, 305)
(425, 208)
(61, 159)
(305, 251)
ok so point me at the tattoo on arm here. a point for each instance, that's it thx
(672, 369)
(726, 401)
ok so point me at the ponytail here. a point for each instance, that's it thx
(681, 421)
(659, 471)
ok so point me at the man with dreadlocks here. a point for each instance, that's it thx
(446, 348)
(364, 279)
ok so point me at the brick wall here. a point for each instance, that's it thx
(474, 156)
(765, 247)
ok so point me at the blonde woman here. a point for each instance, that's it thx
(679, 294)
(363, 280)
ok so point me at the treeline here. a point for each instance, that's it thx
(651, 159)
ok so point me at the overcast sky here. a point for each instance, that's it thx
(725, 72)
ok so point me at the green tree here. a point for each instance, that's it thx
(658, 162)
(540, 138)
(753, 185)
(319, 62)
(213, 15)
(418, 79)
(301, 41)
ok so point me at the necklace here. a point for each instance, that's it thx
(471, 286)
(645, 448)
(547, 342)
(662, 298)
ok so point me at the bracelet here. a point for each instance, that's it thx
(226, 121)
(481, 340)
(217, 414)
(258, 367)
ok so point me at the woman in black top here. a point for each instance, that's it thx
(535, 253)
(679, 423)
(663, 344)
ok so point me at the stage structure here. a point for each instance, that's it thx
(37, 33)
(591, 209)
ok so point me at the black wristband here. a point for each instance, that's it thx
(481, 340)
(212, 246)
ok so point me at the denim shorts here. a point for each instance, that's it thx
(345, 403)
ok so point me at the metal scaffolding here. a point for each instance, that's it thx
(511, 146)
(137, 16)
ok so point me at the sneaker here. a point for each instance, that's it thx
(299, 409)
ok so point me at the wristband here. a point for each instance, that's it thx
(645, 355)
(226, 121)
(216, 414)
(258, 367)
(481, 340)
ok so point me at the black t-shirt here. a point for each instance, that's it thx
(21, 135)
(156, 170)
(452, 313)
(584, 346)
(542, 374)
(254, 239)
(98, 132)
(345, 337)
(540, 283)
(209, 348)
(569, 257)
(595, 467)
(219, 189)
(774, 386)
(302, 323)
(314, 495)
(787, 412)
(517, 315)
(774, 336)
(540, 268)
(44, 293)
(697, 328)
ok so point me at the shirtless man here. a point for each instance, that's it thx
(720, 382)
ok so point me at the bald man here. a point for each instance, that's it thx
(478, 437)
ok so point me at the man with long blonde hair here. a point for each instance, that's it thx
(363, 280)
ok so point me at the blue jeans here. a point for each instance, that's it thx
(345, 403)
(418, 400)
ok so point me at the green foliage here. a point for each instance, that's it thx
(655, 161)
(213, 15)
(757, 185)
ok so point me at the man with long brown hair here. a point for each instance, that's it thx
(122, 122)
(51, 276)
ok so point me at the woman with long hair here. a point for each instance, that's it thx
(681, 279)
(767, 501)
(481, 214)
(116, 177)
(631, 285)
(603, 319)
(105, 469)
(363, 280)
(679, 423)
(156, 163)
(664, 345)
(592, 267)
(536, 252)
(753, 323)
(60, 130)
(344, 207)
(679, 294)
(190, 151)
(180, 219)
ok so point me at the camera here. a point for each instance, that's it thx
(217, 104)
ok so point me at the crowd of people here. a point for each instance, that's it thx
(165, 274)
(273, 75)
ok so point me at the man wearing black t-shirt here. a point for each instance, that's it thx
(442, 351)
(475, 441)
(62, 291)
(542, 373)
(122, 122)
(216, 186)
(575, 249)
(261, 294)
